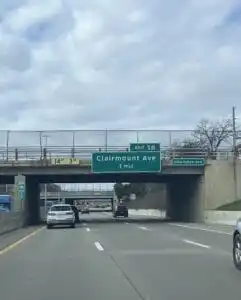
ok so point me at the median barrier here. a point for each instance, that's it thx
(210, 216)
(148, 212)
(221, 217)
(11, 221)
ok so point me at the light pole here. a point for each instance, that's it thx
(46, 139)
(73, 145)
(45, 185)
(235, 138)
(106, 140)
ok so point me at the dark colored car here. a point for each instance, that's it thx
(237, 245)
(121, 211)
(85, 210)
(76, 213)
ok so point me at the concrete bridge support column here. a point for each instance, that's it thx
(19, 193)
(32, 207)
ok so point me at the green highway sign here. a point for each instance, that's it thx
(21, 191)
(188, 162)
(144, 147)
(21, 187)
(126, 162)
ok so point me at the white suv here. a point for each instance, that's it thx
(60, 214)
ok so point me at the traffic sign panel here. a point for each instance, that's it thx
(21, 191)
(126, 162)
(21, 195)
(189, 162)
(21, 187)
(67, 161)
(144, 147)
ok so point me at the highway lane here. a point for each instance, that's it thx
(219, 237)
(119, 260)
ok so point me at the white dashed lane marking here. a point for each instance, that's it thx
(98, 246)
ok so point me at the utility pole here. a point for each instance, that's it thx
(46, 140)
(45, 185)
(73, 145)
(234, 153)
(106, 140)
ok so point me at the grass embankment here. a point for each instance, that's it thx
(233, 206)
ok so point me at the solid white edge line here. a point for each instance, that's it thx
(98, 246)
(200, 228)
(196, 244)
(87, 229)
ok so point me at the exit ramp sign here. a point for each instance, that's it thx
(188, 162)
(144, 147)
(21, 191)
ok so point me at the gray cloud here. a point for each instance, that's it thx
(117, 65)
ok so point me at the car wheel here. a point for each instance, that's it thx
(73, 225)
(237, 251)
(49, 226)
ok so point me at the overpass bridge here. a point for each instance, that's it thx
(78, 195)
(115, 160)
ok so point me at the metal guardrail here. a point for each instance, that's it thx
(33, 156)
(76, 197)
(64, 194)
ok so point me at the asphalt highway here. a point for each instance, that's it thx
(104, 259)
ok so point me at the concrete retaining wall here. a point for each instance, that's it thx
(211, 216)
(222, 217)
(148, 212)
(219, 188)
(10, 221)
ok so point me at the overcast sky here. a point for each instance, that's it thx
(118, 63)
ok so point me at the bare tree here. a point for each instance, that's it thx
(211, 134)
(205, 140)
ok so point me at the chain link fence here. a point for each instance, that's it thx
(94, 138)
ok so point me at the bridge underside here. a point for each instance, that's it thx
(184, 192)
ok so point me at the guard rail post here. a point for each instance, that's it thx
(16, 154)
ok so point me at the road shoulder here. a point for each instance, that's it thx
(12, 237)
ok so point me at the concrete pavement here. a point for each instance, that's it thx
(12, 237)
(122, 260)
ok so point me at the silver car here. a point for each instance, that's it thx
(60, 214)
(237, 245)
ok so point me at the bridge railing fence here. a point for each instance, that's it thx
(37, 145)
(85, 153)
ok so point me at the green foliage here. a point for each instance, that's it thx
(233, 206)
(123, 190)
(51, 187)
(206, 138)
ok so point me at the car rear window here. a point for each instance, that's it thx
(61, 208)
(122, 207)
